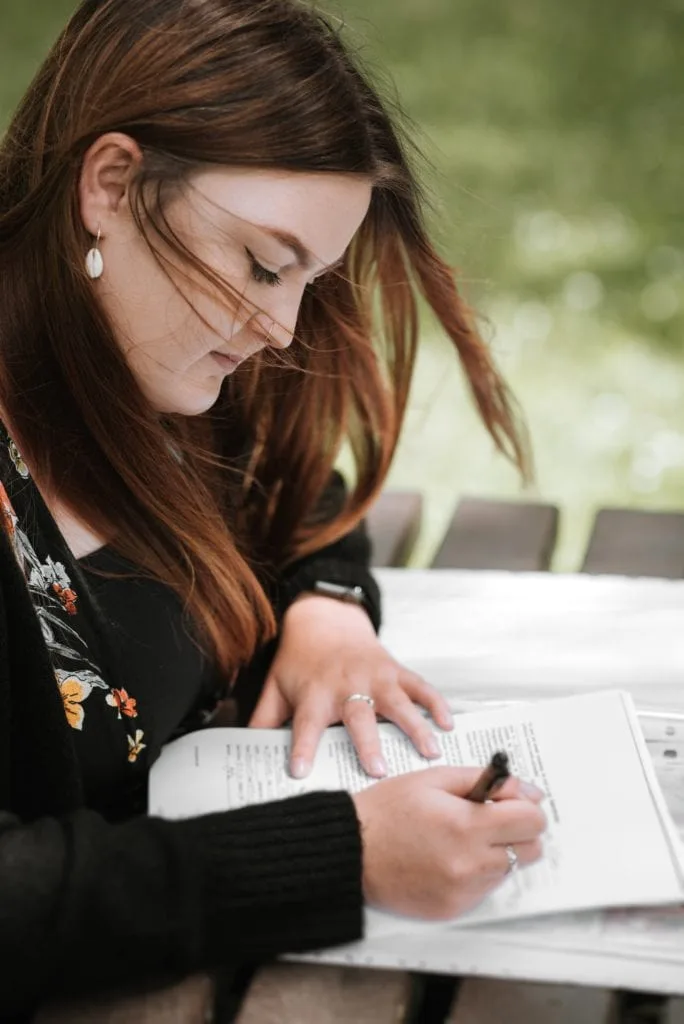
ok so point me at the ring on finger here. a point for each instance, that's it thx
(512, 860)
(359, 696)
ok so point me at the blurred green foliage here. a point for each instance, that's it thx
(574, 110)
(553, 135)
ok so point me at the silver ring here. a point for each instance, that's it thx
(512, 859)
(359, 696)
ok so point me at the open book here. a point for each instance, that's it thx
(610, 841)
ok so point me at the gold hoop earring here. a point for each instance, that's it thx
(93, 261)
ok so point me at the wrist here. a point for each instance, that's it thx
(310, 603)
(309, 577)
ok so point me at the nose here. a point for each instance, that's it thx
(277, 323)
(278, 335)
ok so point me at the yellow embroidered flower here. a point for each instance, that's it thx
(135, 745)
(74, 691)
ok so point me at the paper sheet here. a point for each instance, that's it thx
(584, 872)
(640, 949)
(586, 753)
(529, 636)
(502, 952)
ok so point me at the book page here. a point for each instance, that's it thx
(586, 753)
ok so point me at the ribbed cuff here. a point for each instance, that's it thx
(333, 570)
(280, 877)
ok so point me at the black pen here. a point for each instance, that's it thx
(492, 778)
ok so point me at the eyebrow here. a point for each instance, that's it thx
(305, 260)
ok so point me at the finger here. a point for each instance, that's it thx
(400, 710)
(460, 781)
(498, 862)
(514, 821)
(426, 695)
(308, 725)
(272, 709)
(362, 726)
(527, 853)
(518, 789)
(457, 781)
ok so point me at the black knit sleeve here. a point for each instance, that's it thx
(87, 906)
(346, 561)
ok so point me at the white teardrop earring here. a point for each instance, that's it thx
(93, 261)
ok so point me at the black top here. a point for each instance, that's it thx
(165, 685)
(92, 899)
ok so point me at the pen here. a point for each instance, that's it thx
(492, 778)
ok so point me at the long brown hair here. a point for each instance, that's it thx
(211, 504)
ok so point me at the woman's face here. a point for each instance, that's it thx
(266, 233)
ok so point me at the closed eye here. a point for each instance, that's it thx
(260, 274)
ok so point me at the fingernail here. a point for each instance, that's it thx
(432, 747)
(378, 766)
(299, 767)
(531, 791)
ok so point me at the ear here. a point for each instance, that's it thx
(108, 169)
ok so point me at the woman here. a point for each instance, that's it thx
(210, 249)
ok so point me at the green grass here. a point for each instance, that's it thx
(554, 135)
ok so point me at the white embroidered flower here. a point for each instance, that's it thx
(48, 573)
(18, 462)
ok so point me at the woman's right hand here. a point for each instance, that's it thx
(428, 852)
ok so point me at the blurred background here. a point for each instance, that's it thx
(554, 143)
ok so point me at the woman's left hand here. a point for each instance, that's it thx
(328, 650)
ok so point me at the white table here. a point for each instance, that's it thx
(492, 635)
(523, 635)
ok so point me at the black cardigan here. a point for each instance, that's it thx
(88, 906)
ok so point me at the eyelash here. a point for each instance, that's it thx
(261, 275)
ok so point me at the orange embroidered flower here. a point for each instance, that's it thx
(8, 517)
(8, 522)
(74, 691)
(135, 745)
(66, 596)
(119, 699)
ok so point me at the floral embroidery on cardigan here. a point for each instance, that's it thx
(9, 523)
(53, 598)
(135, 746)
(19, 464)
(126, 705)
(74, 688)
